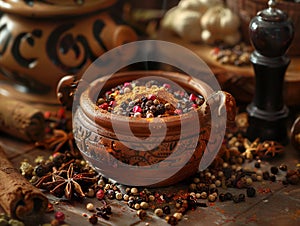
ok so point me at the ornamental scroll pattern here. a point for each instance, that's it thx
(32, 50)
(61, 38)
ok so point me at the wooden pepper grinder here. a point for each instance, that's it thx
(271, 33)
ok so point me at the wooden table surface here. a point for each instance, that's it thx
(280, 207)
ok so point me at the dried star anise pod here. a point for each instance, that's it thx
(66, 182)
(60, 141)
(270, 149)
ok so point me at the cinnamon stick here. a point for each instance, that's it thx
(18, 198)
(21, 120)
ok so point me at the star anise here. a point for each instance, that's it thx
(59, 140)
(66, 182)
(270, 149)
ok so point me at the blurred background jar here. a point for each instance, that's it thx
(42, 41)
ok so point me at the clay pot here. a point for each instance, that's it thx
(42, 41)
(111, 152)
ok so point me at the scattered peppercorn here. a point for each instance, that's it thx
(242, 197)
(60, 216)
(159, 212)
(272, 178)
(266, 175)
(166, 209)
(222, 197)
(100, 194)
(142, 214)
(110, 194)
(251, 192)
(274, 170)
(171, 220)
(178, 216)
(228, 196)
(90, 206)
(283, 167)
(93, 219)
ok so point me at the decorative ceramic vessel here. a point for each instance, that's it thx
(42, 41)
(110, 151)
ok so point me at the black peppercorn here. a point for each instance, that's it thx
(131, 203)
(236, 199)
(251, 191)
(283, 167)
(58, 159)
(110, 194)
(192, 204)
(40, 170)
(242, 198)
(257, 165)
(222, 197)
(228, 196)
(273, 178)
(107, 209)
(266, 175)
(172, 220)
(274, 170)
(166, 209)
(93, 219)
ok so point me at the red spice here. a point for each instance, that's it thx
(50, 208)
(47, 114)
(264, 190)
(151, 97)
(60, 216)
(167, 86)
(100, 194)
(104, 106)
(61, 113)
(137, 109)
(192, 97)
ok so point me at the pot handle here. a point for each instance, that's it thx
(65, 90)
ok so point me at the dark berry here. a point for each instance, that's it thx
(222, 197)
(242, 198)
(273, 178)
(257, 165)
(251, 192)
(236, 199)
(283, 167)
(172, 220)
(130, 203)
(93, 219)
(40, 170)
(274, 170)
(100, 194)
(228, 196)
(60, 216)
(266, 175)
(166, 210)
